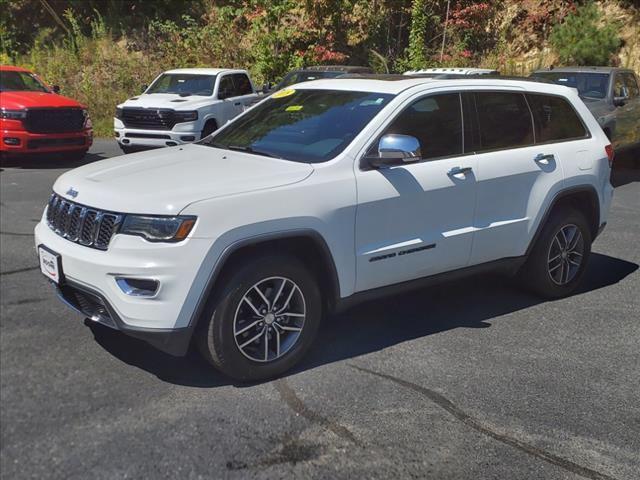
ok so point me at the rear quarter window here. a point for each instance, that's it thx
(555, 119)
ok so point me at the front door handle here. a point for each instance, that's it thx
(237, 104)
(459, 171)
(544, 159)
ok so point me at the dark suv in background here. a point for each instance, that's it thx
(611, 94)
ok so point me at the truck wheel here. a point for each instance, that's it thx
(209, 127)
(559, 258)
(264, 320)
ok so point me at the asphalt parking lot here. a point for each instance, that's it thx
(468, 380)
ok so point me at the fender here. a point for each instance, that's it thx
(229, 250)
(590, 189)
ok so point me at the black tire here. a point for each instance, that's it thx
(215, 336)
(539, 274)
(209, 127)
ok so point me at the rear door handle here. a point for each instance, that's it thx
(237, 104)
(459, 171)
(544, 159)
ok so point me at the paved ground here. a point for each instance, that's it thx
(473, 379)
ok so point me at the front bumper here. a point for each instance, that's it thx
(23, 142)
(131, 137)
(89, 284)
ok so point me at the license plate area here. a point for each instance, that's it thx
(50, 264)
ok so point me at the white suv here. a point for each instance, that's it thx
(325, 194)
(182, 106)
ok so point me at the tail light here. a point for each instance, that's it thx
(610, 154)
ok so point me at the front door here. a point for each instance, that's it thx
(416, 220)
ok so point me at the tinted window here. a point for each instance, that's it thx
(592, 85)
(504, 120)
(20, 81)
(302, 125)
(632, 84)
(436, 121)
(183, 84)
(226, 88)
(555, 118)
(242, 84)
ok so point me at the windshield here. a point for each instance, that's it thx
(301, 125)
(11, 81)
(184, 84)
(591, 85)
(307, 76)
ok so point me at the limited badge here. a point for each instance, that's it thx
(283, 93)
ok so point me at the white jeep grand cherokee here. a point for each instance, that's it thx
(328, 193)
(182, 106)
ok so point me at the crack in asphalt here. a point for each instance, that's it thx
(296, 404)
(19, 270)
(17, 234)
(468, 420)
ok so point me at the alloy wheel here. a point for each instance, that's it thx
(566, 254)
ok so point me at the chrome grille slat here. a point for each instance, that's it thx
(80, 224)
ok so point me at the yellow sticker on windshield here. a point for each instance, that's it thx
(283, 93)
(293, 108)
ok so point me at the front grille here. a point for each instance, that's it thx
(54, 120)
(146, 118)
(84, 225)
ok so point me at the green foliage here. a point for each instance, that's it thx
(417, 51)
(585, 38)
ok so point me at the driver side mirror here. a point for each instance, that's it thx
(55, 88)
(621, 100)
(224, 94)
(266, 87)
(394, 150)
(144, 88)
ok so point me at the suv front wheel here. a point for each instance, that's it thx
(559, 258)
(264, 320)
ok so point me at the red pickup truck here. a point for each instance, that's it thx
(34, 118)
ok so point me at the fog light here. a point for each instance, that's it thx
(126, 140)
(138, 287)
(11, 141)
(117, 134)
(171, 144)
(188, 138)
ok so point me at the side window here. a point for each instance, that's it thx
(242, 83)
(555, 119)
(504, 119)
(631, 84)
(436, 121)
(619, 86)
(226, 88)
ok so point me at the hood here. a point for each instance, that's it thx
(165, 181)
(20, 100)
(167, 100)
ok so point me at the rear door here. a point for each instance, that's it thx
(514, 174)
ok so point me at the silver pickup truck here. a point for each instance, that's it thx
(612, 96)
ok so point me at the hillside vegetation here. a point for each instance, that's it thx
(102, 51)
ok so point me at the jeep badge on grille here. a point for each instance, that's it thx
(72, 193)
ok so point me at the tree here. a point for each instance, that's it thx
(417, 35)
(585, 38)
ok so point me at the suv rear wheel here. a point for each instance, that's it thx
(264, 320)
(559, 258)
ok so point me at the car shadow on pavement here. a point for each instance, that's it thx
(50, 161)
(373, 326)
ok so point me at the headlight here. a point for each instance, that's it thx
(87, 119)
(118, 112)
(186, 116)
(158, 229)
(13, 114)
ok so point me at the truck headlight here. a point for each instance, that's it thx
(87, 119)
(190, 116)
(13, 114)
(158, 228)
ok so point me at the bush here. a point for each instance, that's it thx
(585, 38)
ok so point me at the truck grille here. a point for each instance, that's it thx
(84, 225)
(54, 120)
(149, 119)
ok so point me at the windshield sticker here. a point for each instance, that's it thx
(284, 93)
(377, 101)
(293, 108)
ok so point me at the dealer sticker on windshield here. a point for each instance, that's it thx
(284, 93)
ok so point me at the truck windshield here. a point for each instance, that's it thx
(310, 126)
(591, 85)
(184, 84)
(11, 81)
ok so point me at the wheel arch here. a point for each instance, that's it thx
(307, 245)
(583, 198)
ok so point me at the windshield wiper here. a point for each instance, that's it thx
(247, 149)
